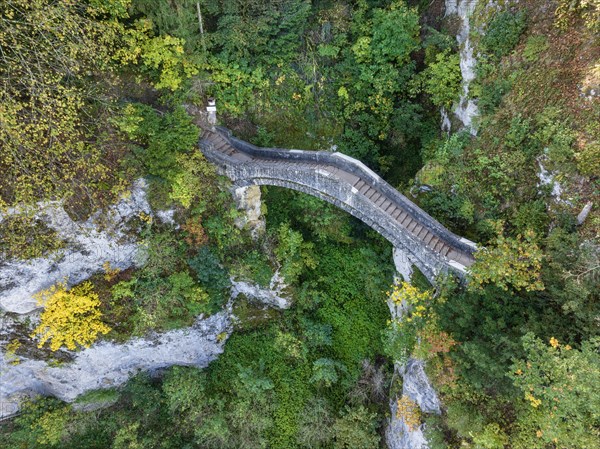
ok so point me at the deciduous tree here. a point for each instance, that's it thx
(514, 262)
(70, 317)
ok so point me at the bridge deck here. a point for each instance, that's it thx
(384, 202)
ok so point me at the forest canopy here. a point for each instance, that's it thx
(98, 93)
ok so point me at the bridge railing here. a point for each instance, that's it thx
(351, 165)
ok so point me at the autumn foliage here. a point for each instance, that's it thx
(409, 412)
(70, 317)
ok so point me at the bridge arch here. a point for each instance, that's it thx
(429, 271)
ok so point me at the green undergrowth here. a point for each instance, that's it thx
(98, 396)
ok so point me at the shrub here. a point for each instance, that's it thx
(400, 337)
(452, 147)
(222, 231)
(568, 10)
(185, 393)
(464, 419)
(163, 303)
(503, 33)
(195, 182)
(22, 237)
(356, 429)
(409, 412)
(532, 215)
(208, 269)
(161, 57)
(194, 232)
(108, 395)
(164, 254)
(534, 47)
(492, 93)
(211, 275)
(436, 42)
(164, 136)
(443, 79)
(185, 292)
(255, 266)
(315, 423)
(555, 135)
(560, 402)
(518, 135)
(293, 253)
(588, 159)
(325, 372)
(70, 318)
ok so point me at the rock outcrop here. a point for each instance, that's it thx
(88, 247)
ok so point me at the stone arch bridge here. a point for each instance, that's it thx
(350, 185)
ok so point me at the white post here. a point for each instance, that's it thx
(212, 112)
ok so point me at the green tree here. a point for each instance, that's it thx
(401, 335)
(442, 79)
(375, 70)
(326, 372)
(43, 423)
(179, 20)
(514, 262)
(164, 137)
(259, 31)
(209, 272)
(25, 237)
(315, 423)
(503, 33)
(567, 11)
(560, 399)
(161, 57)
(571, 278)
(356, 429)
(127, 437)
(293, 253)
(195, 183)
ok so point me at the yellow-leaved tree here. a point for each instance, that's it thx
(402, 334)
(70, 317)
(55, 69)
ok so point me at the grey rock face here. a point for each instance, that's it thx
(415, 383)
(88, 248)
(416, 386)
(403, 264)
(248, 200)
(584, 213)
(399, 436)
(466, 108)
(548, 179)
(273, 296)
(109, 365)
